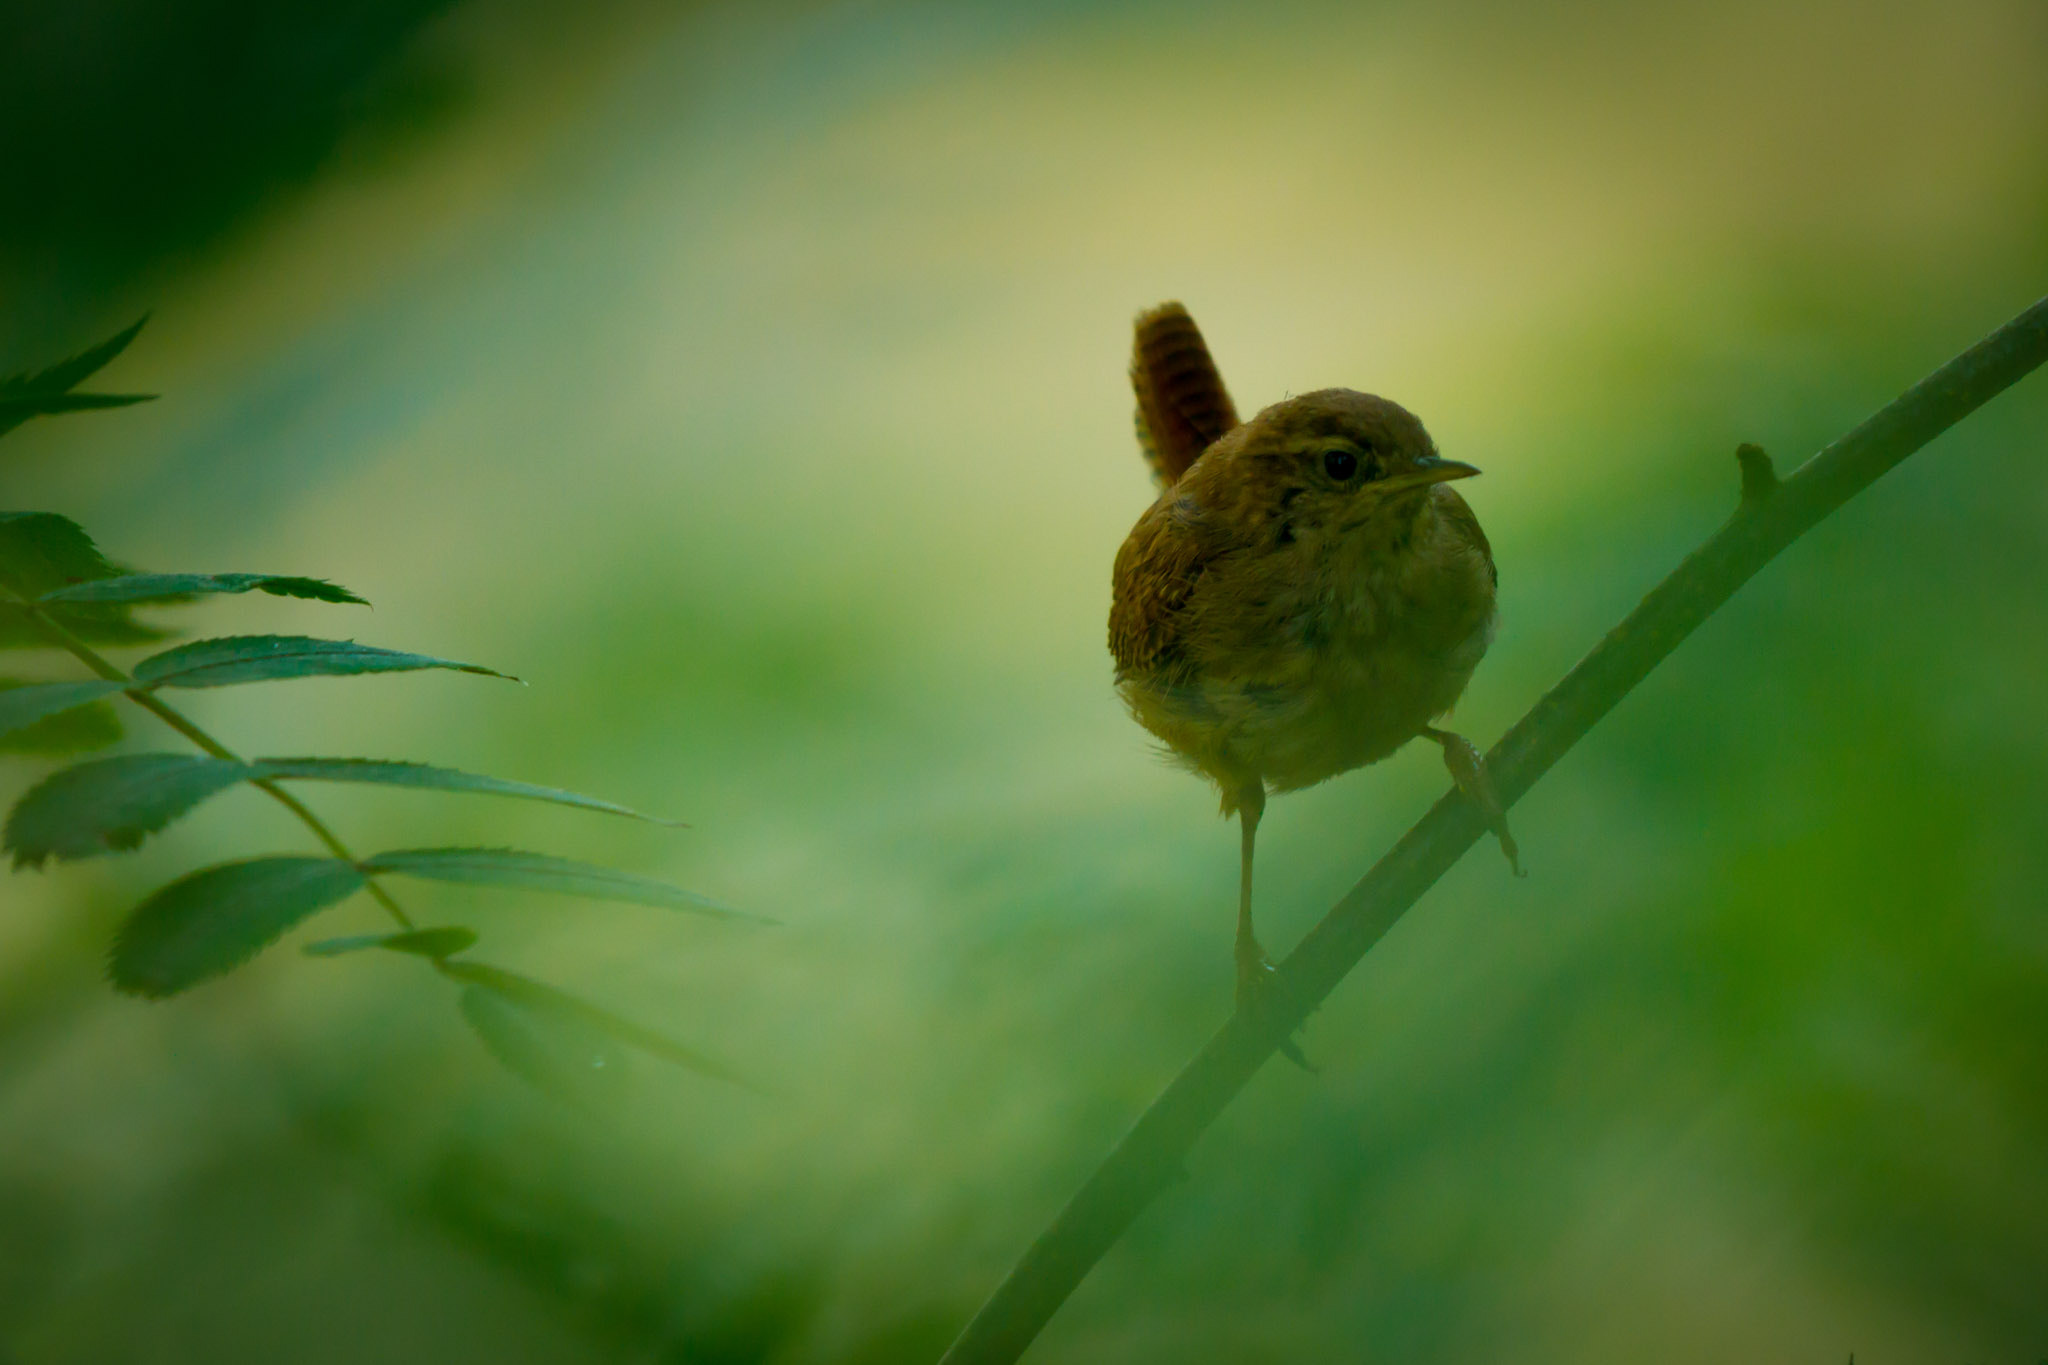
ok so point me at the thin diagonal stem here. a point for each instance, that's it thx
(62, 637)
(1150, 1156)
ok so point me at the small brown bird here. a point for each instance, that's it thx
(1305, 597)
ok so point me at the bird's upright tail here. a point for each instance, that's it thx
(1182, 404)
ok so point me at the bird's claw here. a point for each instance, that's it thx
(1468, 770)
(1254, 975)
(1257, 980)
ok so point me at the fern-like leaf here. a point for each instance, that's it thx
(174, 587)
(427, 777)
(215, 919)
(111, 804)
(264, 658)
(540, 872)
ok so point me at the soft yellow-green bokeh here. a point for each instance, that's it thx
(751, 384)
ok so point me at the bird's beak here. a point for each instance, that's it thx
(1431, 470)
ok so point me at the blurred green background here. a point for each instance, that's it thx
(749, 379)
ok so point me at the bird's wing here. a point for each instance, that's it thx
(1156, 575)
(1182, 404)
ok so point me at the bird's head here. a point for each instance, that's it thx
(1328, 463)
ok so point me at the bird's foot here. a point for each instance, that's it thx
(1468, 770)
(1257, 982)
(1254, 975)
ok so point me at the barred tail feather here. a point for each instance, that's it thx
(1182, 404)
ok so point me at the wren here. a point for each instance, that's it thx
(1306, 595)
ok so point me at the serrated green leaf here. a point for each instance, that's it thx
(439, 942)
(425, 775)
(539, 872)
(163, 587)
(41, 552)
(263, 658)
(111, 804)
(24, 705)
(76, 730)
(559, 1009)
(217, 918)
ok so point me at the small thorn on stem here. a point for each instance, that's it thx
(1759, 479)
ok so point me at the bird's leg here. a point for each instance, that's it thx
(1252, 963)
(1468, 770)
(1254, 968)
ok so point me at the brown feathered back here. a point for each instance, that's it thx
(1182, 404)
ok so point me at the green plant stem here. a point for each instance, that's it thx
(1772, 515)
(62, 637)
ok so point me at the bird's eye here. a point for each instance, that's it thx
(1340, 464)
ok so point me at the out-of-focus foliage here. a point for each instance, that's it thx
(26, 706)
(757, 393)
(42, 553)
(142, 129)
(49, 391)
(426, 942)
(62, 729)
